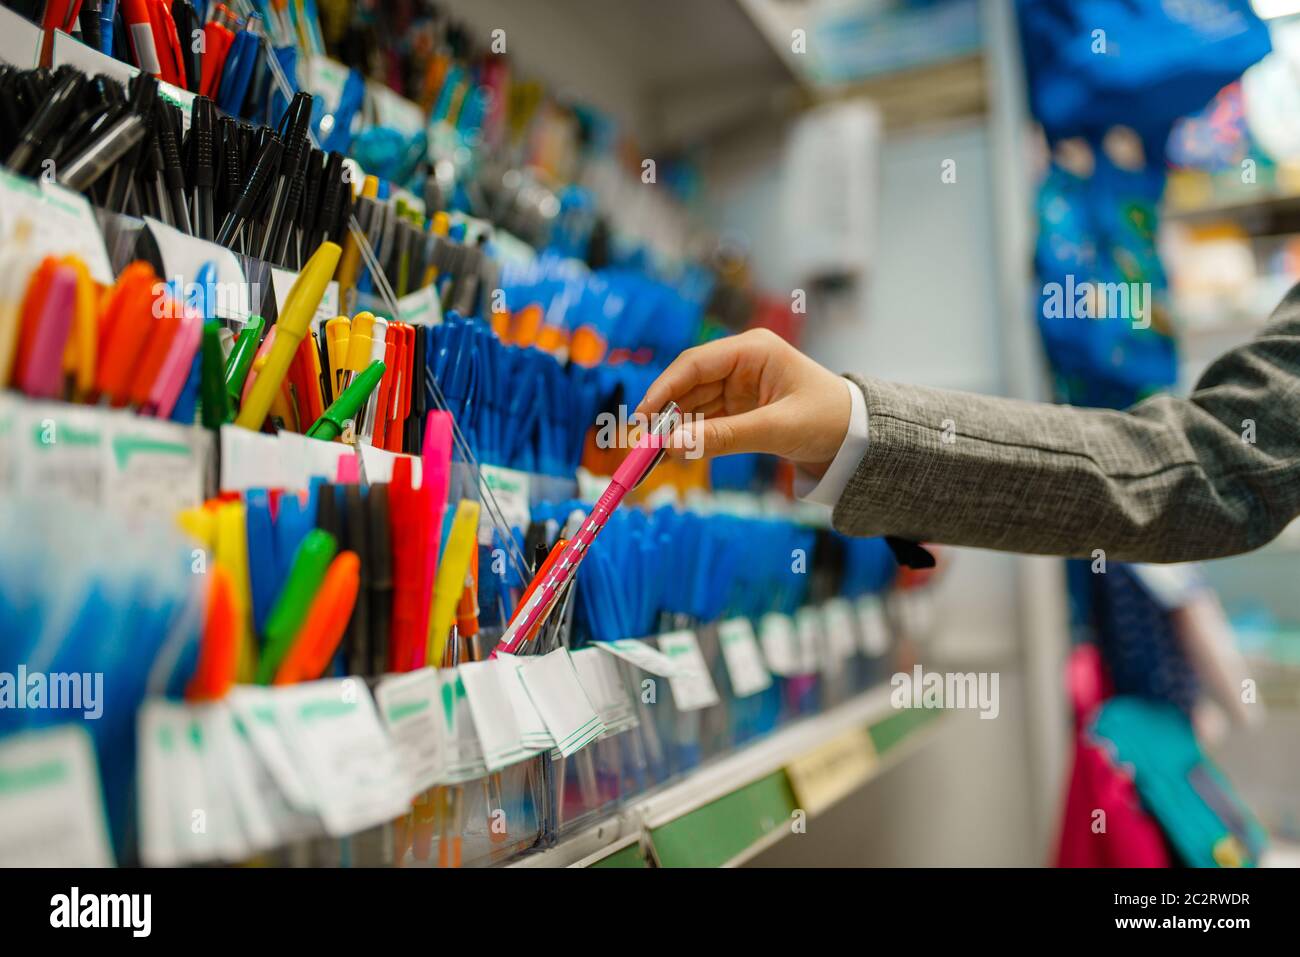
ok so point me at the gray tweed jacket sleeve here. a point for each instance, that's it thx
(1169, 480)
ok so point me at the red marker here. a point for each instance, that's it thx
(139, 25)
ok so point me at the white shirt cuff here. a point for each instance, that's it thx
(831, 487)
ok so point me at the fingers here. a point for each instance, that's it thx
(754, 431)
(697, 366)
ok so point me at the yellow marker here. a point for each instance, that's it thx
(360, 346)
(295, 318)
(232, 554)
(200, 524)
(461, 542)
(79, 353)
(337, 331)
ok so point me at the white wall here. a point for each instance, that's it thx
(928, 312)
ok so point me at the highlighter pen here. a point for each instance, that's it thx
(213, 398)
(42, 375)
(300, 306)
(378, 353)
(241, 358)
(323, 628)
(312, 558)
(330, 425)
(461, 541)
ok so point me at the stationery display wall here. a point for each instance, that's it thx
(294, 447)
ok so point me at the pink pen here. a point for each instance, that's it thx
(435, 478)
(176, 367)
(643, 457)
(43, 375)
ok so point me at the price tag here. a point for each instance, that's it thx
(499, 733)
(61, 451)
(304, 459)
(51, 808)
(421, 308)
(552, 684)
(872, 627)
(642, 654)
(464, 753)
(412, 712)
(155, 466)
(693, 685)
(20, 40)
(353, 769)
(780, 644)
(68, 49)
(510, 490)
(377, 465)
(532, 729)
(61, 223)
(604, 686)
(810, 637)
(183, 256)
(740, 651)
(251, 460)
(282, 281)
(832, 771)
(841, 629)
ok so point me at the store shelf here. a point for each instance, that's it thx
(728, 811)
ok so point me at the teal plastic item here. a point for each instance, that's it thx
(1204, 820)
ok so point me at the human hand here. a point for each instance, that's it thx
(755, 393)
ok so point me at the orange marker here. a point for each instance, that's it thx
(124, 330)
(219, 646)
(326, 620)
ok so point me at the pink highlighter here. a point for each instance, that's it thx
(650, 448)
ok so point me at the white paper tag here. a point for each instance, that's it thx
(61, 450)
(62, 223)
(233, 767)
(464, 753)
(356, 778)
(377, 465)
(780, 644)
(872, 627)
(745, 667)
(693, 685)
(282, 281)
(412, 711)
(510, 489)
(421, 308)
(553, 685)
(303, 459)
(841, 629)
(499, 733)
(68, 49)
(251, 460)
(155, 466)
(51, 806)
(603, 683)
(254, 707)
(532, 729)
(20, 40)
(810, 637)
(183, 256)
(642, 654)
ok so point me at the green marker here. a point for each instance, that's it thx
(213, 398)
(330, 425)
(290, 610)
(241, 359)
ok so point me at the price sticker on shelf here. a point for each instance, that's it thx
(744, 660)
(693, 685)
(872, 628)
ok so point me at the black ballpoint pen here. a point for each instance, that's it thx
(55, 110)
(84, 170)
(172, 172)
(268, 161)
(201, 131)
(288, 187)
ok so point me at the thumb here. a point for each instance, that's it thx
(750, 431)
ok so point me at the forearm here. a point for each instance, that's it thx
(1169, 480)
